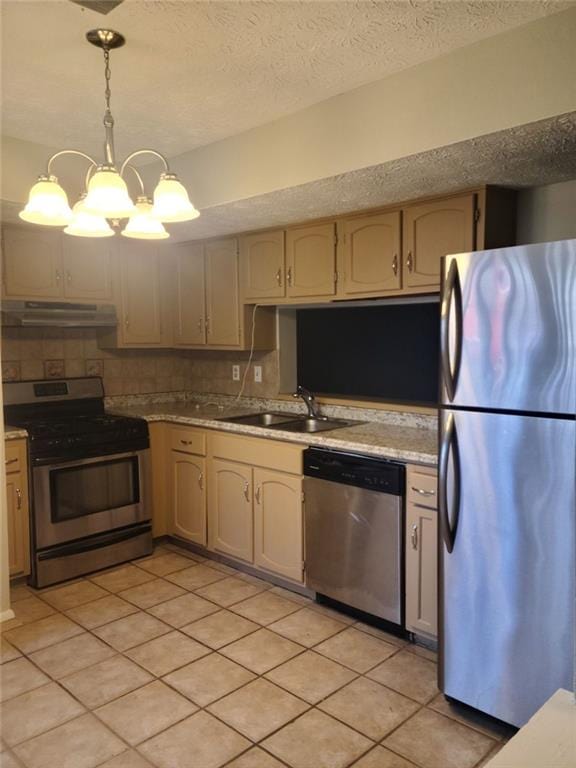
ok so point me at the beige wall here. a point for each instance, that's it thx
(547, 213)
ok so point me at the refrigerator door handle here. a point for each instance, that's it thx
(449, 447)
(452, 296)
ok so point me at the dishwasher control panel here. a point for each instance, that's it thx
(355, 469)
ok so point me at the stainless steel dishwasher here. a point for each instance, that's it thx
(354, 514)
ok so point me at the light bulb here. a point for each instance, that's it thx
(142, 225)
(85, 224)
(108, 195)
(171, 201)
(47, 203)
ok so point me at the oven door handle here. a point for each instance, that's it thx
(51, 463)
(95, 542)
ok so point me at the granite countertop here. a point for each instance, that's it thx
(393, 441)
(14, 433)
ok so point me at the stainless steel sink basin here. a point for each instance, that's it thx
(289, 422)
(269, 419)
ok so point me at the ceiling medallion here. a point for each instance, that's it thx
(106, 192)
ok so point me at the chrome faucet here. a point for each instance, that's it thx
(308, 398)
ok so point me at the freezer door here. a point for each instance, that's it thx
(507, 560)
(508, 327)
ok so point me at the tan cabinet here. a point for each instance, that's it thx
(371, 255)
(311, 261)
(187, 492)
(230, 510)
(222, 293)
(86, 268)
(278, 538)
(51, 265)
(140, 311)
(17, 508)
(32, 264)
(432, 230)
(190, 305)
(421, 551)
(262, 265)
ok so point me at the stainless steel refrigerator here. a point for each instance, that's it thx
(507, 477)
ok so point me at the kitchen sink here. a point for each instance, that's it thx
(269, 419)
(290, 422)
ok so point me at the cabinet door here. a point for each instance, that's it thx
(188, 496)
(32, 264)
(140, 290)
(86, 266)
(433, 230)
(372, 254)
(278, 545)
(311, 261)
(190, 310)
(222, 299)
(421, 570)
(230, 509)
(262, 265)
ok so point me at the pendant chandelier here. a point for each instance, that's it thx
(106, 192)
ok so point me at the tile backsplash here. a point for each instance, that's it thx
(44, 353)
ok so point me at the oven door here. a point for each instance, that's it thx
(80, 498)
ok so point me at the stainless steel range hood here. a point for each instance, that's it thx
(58, 314)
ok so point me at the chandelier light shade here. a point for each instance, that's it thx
(107, 195)
(171, 201)
(142, 225)
(85, 224)
(47, 203)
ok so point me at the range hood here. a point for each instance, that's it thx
(58, 314)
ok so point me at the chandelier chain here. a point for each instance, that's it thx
(107, 75)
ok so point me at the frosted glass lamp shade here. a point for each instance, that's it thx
(171, 201)
(108, 195)
(143, 226)
(47, 204)
(85, 224)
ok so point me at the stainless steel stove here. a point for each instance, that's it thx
(89, 478)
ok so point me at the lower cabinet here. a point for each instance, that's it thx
(231, 515)
(17, 508)
(188, 474)
(421, 551)
(278, 523)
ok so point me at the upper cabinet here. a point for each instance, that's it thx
(140, 314)
(311, 261)
(371, 254)
(222, 293)
(433, 230)
(190, 304)
(263, 265)
(42, 264)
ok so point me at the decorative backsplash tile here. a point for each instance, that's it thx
(54, 369)
(10, 371)
(94, 367)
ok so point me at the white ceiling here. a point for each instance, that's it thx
(196, 72)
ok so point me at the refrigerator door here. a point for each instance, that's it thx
(507, 560)
(508, 326)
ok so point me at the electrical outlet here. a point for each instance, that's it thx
(235, 373)
(258, 373)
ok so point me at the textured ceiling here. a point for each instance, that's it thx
(531, 155)
(196, 72)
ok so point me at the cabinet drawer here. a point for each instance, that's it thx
(15, 456)
(188, 440)
(422, 487)
(260, 452)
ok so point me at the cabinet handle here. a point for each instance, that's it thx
(257, 494)
(11, 461)
(18, 498)
(58, 276)
(208, 329)
(201, 481)
(422, 491)
(200, 324)
(289, 275)
(395, 264)
(68, 276)
(247, 491)
(279, 276)
(409, 261)
(126, 321)
(414, 537)
(186, 442)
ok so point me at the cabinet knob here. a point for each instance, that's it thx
(409, 261)
(289, 276)
(279, 276)
(58, 276)
(68, 276)
(18, 498)
(257, 494)
(201, 481)
(395, 264)
(422, 491)
(247, 491)
(200, 324)
(126, 321)
(414, 537)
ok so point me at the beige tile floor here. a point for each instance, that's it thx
(175, 661)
